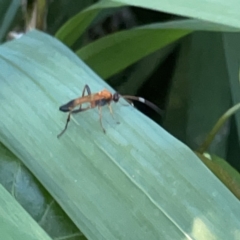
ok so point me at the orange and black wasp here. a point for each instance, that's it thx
(99, 100)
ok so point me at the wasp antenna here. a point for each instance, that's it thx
(142, 100)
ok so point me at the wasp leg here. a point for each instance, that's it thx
(111, 111)
(86, 88)
(100, 118)
(69, 118)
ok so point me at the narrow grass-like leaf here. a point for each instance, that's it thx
(74, 27)
(15, 222)
(219, 11)
(8, 11)
(134, 182)
(115, 52)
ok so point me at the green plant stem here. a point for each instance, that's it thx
(206, 143)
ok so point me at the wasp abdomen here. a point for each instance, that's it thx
(67, 107)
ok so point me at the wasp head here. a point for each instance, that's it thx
(116, 97)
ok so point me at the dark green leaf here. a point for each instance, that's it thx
(74, 27)
(8, 11)
(196, 98)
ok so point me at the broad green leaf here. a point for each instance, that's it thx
(111, 54)
(15, 222)
(219, 11)
(8, 11)
(134, 182)
(17, 179)
(74, 27)
(196, 99)
(178, 101)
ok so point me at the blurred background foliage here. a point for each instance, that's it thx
(193, 77)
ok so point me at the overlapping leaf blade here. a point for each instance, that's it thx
(31, 195)
(15, 221)
(113, 53)
(220, 11)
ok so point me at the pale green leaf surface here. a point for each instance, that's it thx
(115, 52)
(134, 182)
(218, 11)
(15, 222)
(74, 27)
(194, 25)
